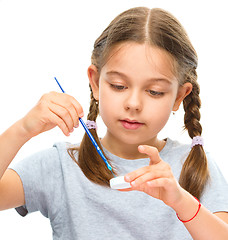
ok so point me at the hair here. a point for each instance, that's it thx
(158, 28)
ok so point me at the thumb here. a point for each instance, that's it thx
(152, 152)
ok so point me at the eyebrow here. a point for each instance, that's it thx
(124, 76)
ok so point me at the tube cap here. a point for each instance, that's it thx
(119, 183)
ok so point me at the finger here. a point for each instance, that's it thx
(68, 111)
(57, 121)
(77, 107)
(159, 182)
(149, 176)
(69, 103)
(137, 173)
(62, 113)
(152, 152)
(125, 190)
(72, 105)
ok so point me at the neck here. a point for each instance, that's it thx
(129, 151)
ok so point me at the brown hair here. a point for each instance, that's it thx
(157, 28)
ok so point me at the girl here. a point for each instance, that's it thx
(143, 67)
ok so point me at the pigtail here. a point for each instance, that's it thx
(89, 160)
(194, 174)
(157, 28)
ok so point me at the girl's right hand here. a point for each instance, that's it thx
(53, 109)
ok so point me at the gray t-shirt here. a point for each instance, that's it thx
(80, 209)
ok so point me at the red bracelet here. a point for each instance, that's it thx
(194, 215)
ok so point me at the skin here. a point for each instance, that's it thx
(53, 109)
(145, 90)
(138, 63)
(125, 90)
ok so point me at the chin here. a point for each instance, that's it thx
(134, 139)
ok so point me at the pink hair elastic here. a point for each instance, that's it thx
(198, 140)
(91, 124)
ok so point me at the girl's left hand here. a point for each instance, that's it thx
(156, 180)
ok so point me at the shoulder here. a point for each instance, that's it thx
(175, 149)
(216, 188)
(178, 149)
(64, 146)
(65, 149)
(214, 170)
(176, 153)
(45, 159)
(176, 145)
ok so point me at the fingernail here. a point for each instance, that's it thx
(76, 126)
(81, 115)
(127, 178)
(141, 148)
(149, 183)
(133, 183)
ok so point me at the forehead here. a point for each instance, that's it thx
(141, 60)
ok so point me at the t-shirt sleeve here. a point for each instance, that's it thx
(215, 195)
(41, 178)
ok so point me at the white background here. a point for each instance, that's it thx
(46, 38)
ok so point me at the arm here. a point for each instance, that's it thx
(10, 143)
(205, 225)
(53, 109)
(11, 188)
(158, 181)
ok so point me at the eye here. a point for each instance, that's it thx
(155, 93)
(117, 87)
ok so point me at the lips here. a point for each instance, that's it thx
(131, 124)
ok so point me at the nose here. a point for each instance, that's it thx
(133, 101)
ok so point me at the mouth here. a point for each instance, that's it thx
(131, 124)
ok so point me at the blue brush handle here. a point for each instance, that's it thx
(91, 137)
(59, 85)
(95, 144)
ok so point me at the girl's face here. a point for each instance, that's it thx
(137, 90)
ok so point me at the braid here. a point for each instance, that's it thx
(192, 104)
(89, 160)
(194, 174)
(93, 109)
(160, 29)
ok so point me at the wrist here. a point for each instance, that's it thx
(187, 207)
(180, 204)
(11, 141)
(20, 132)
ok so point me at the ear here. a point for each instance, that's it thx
(183, 92)
(93, 76)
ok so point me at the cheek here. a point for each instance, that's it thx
(159, 112)
(107, 104)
